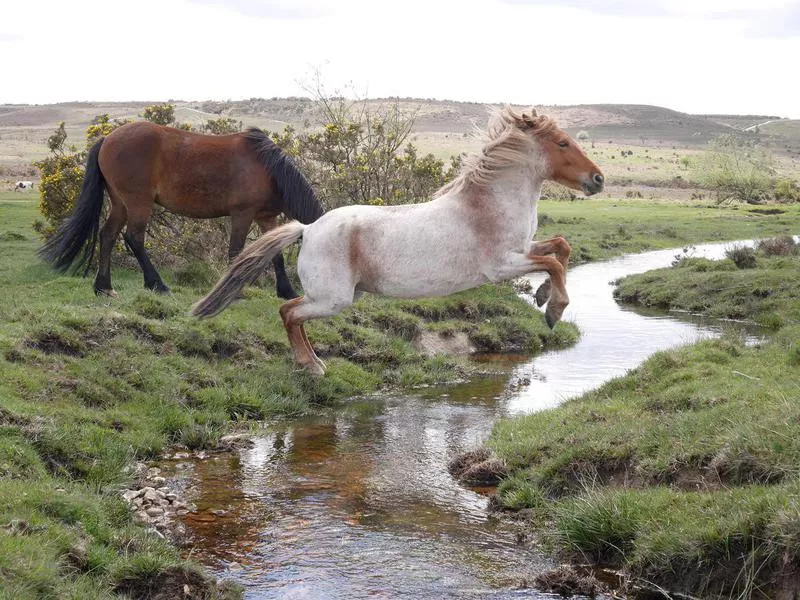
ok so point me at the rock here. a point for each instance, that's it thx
(150, 495)
(154, 511)
(171, 497)
(220, 512)
(129, 495)
(142, 515)
(157, 481)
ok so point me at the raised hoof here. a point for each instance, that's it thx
(543, 293)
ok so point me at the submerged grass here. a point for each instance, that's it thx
(684, 471)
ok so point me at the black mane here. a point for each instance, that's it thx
(299, 199)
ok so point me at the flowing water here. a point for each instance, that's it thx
(359, 504)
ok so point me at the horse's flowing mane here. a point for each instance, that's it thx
(507, 142)
(300, 200)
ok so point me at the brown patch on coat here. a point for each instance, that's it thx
(482, 219)
(361, 263)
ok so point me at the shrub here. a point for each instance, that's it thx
(743, 256)
(778, 246)
(738, 170)
(786, 189)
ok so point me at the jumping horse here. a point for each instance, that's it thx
(478, 229)
(243, 175)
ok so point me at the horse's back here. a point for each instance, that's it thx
(404, 251)
(191, 174)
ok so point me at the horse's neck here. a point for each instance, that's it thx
(517, 192)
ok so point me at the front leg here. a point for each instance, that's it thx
(516, 264)
(561, 249)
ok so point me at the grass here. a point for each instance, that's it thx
(89, 385)
(602, 228)
(764, 289)
(685, 471)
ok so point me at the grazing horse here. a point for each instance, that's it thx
(477, 230)
(23, 185)
(243, 175)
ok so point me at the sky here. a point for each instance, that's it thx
(697, 56)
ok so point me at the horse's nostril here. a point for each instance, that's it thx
(598, 179)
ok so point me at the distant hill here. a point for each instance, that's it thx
(24, 128)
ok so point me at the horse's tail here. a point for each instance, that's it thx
(76, 237)
(247, 268)
(300, 202)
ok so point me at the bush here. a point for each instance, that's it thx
(786, 189)
(738, 170)
(743, 256)
(778, 246)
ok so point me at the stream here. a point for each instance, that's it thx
(359, 503)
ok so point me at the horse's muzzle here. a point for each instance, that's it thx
(594, 184)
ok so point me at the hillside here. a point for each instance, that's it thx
(442, 126)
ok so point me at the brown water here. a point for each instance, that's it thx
(359, 504)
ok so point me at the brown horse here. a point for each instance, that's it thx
(244, 176)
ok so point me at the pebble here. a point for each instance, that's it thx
(154, 511)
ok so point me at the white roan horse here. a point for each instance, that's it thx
(23, 185)
(478, 229)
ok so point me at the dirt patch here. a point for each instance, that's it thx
(477, 467)
(51, 342)
(175, 583)
(430, 344)
(567, 582)
(767, 211)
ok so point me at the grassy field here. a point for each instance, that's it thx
(603, 228)
(685, 471)
(91, 385)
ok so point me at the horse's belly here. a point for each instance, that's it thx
(424, 285)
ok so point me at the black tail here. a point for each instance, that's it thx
(300, 201)
(76, 237)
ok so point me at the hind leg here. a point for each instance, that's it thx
(108, 237)
(134, 237)
(294, 313)
(283, 286)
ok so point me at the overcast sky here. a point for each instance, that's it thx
(697, 56)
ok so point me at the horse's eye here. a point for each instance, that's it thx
(563, 144)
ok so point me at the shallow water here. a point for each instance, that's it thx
(359, 504)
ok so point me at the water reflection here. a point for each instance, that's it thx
(359, 503)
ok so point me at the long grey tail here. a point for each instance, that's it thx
(247, 268)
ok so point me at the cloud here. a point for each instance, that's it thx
(779, 22)
(618, 8)
(272, 9)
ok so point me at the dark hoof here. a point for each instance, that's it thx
(550, 320)
(543, 293)
(161, 289)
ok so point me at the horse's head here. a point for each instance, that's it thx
(566, 162)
